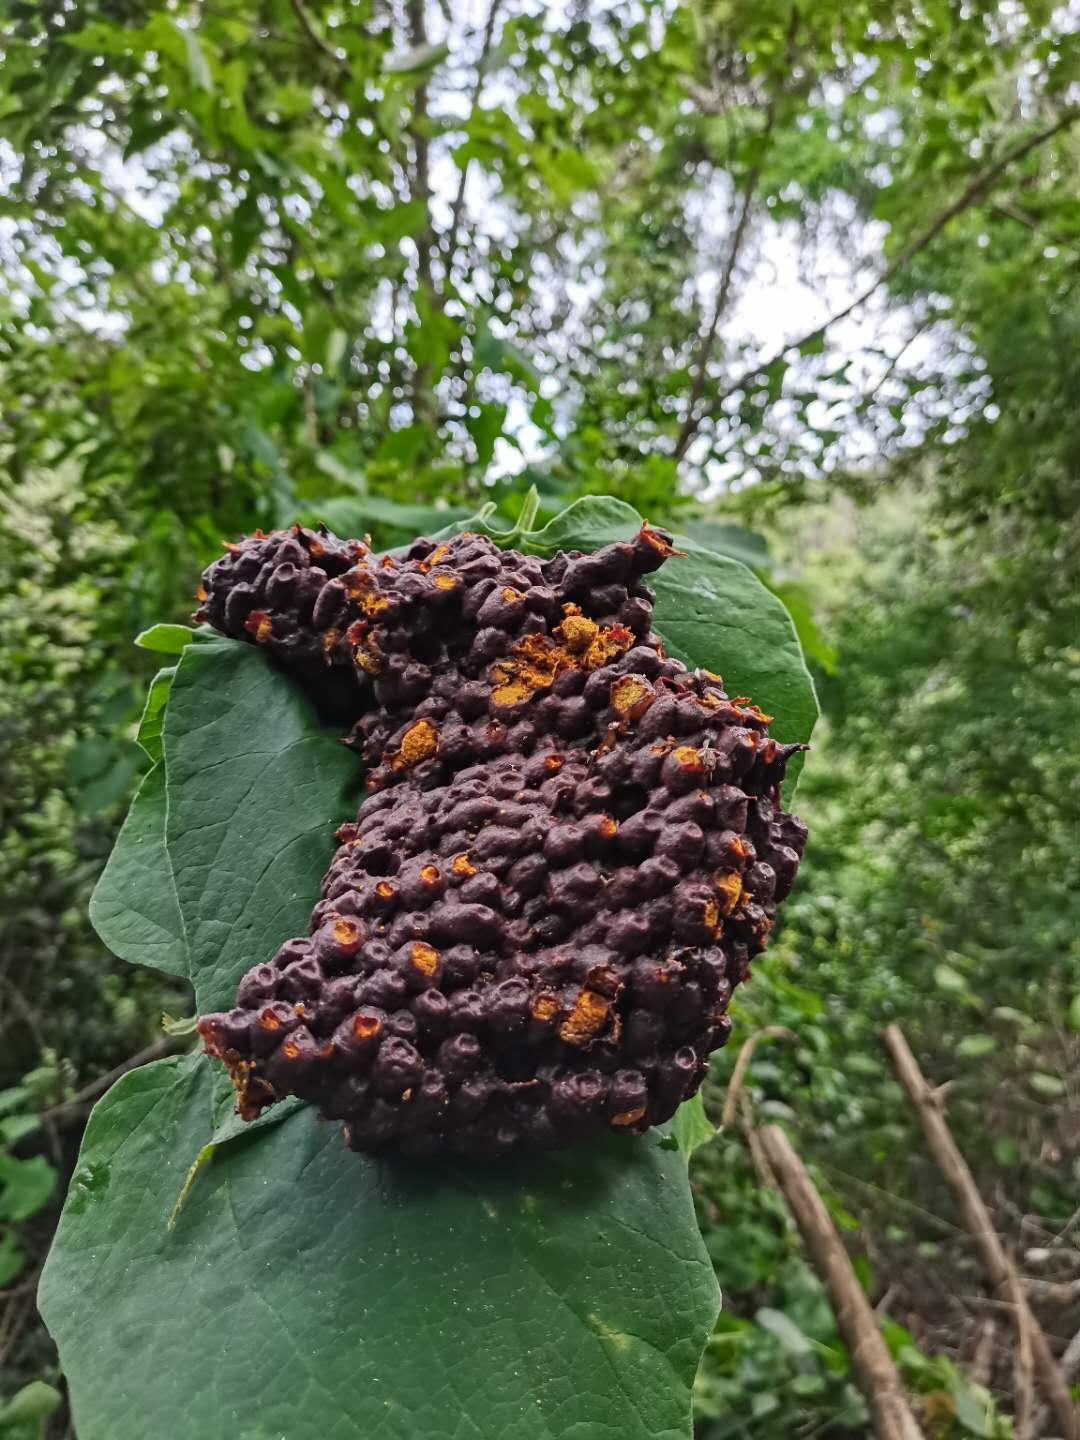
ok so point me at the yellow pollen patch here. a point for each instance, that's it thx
(201, 593)
(260, 625)
(367, 661)
(711, 914)
(631, 696)
(419, 742)
(357, 580)
(424, 958)
(578, 633)
(545, 1007)
(445, 582)
(730, 887)
(587, 1018)
(374, 604)
(462, 865)
(269, 1021)
(509, 594)
(512, 693)
(429, 874)
(608, 828)
(688, 757)
(291, 1050)
(553, 763)
(346, 932)
(385, 890)
(628, 1117)
(366, 1027)
(607, 645)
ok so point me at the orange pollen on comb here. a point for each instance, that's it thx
(429, 874)
(730, 886)
(688, 757)
(462, 865)
(291, 1050)
(357, 581)
(384, 890)
(444, 582)
(553, 763)
(260, 625)
(366, 1027)
(420, 742)
(347, 933)
(201, 593)
(608, 828)
(588, 1016)
(628, 1117)
(607, 646)
(711, 914)
(509, 594)
(631, 696)
(655, 541)
(269, 1021)
(367, 662)
(374, 604)
(425, 958)
(545, 1007)
(577, 633)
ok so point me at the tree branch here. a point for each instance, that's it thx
(742, 1064)
(319, 41)
(420, 185)
(449, 237)
(750, 184)
(875, 1371)
(975, 191)
(1002, 1273)
(89, 1093)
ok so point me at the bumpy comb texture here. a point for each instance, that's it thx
(571, 848)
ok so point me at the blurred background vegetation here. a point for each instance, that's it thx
(800, 279)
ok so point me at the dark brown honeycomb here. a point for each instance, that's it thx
(571, 849)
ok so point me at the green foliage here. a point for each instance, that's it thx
(238, 288)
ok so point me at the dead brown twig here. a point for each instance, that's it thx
(742, 1064)
(1034, 1348)
(875, 1371)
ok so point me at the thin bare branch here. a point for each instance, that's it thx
(80, 1101)
(723, 291)
(319, 41)
(1001, 1271)
(448, 239)
(975, 191)
(742, 1064)
(873, 1366)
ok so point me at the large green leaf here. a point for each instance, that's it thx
(311, 1293)
(134, 907)
(255, 789)
(552, 1296)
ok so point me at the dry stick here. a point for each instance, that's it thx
(450, 235)
(690, 424)
(974, 192)
(1070, 1368)
(877, 1375)
(1003, 1275)
(320, 42)
(742, 1064)
(78, 1102)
